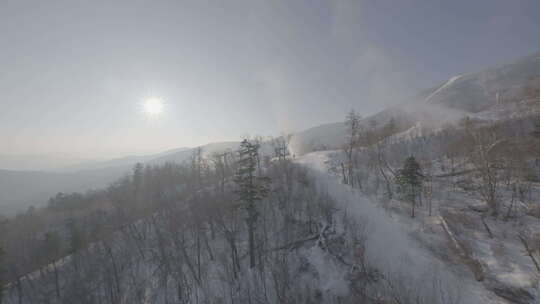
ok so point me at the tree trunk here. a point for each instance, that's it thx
(251, 231)
(208, 248)
(344, 174)
(529, 251)
(388, 187)
(56, 280)
(486, 226)
(19, 290)
(413, 205)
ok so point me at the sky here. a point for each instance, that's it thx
(75, 74)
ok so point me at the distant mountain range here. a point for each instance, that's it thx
(122, 161)
(472, 94)
(21, 189)
(37, 162)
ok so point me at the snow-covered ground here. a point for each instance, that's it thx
(441, 88)
(418, 248)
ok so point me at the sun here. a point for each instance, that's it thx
(153, 106)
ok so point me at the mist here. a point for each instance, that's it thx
(76, 75)
(253, 151)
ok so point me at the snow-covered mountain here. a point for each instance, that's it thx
(482, 94)
(478, 95)
(479, 92)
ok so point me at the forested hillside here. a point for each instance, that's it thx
(231, 229)
(402, 207)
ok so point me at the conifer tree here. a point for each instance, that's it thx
(409, 180)
(352, 122)
(251, 188)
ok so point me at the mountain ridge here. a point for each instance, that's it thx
(459, 96)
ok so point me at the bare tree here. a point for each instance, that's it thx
(487, 158)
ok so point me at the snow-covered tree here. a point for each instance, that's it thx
(251, 188)
(409, 180)
(352, 122)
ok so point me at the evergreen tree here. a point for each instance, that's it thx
(251, 188)
(409, 180)
(352, 122)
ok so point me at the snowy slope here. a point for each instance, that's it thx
(390, 244)
(443, 87)
(419, 248)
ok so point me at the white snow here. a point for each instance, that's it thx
(390, 246)
(448, 83)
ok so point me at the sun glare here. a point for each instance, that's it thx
(153, 106)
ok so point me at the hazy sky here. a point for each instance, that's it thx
(75, 73)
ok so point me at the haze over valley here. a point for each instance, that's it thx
(270, 152)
